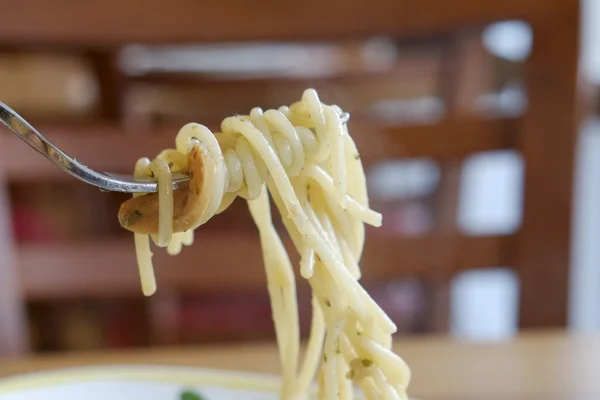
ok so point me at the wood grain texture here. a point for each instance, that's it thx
(534, 366)
(548, 142)
(114, 22)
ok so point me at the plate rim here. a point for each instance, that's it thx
(186, 376)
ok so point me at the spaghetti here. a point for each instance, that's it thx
(305, 159)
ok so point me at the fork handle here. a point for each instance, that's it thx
(33, 138)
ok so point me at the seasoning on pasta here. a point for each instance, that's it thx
(304, 158)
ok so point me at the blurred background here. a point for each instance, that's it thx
(476, 123)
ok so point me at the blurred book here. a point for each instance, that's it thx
(90, 324)
(47, 85)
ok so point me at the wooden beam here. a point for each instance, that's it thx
(111, 84)
(452, 138)
(114, 149)
(397, 257)
(232, 262)
(548, 143)
(116, 22)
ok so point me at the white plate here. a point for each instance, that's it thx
(138, 382)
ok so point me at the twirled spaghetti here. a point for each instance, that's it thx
(306, 159)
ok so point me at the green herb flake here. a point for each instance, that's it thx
(328, 303)
(190, 395)
(131, 219)
(324, 357)
(366, 362)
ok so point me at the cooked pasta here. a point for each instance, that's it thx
(305, 159)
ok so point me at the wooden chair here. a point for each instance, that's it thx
(545, 136)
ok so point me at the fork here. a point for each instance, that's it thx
(105, 181)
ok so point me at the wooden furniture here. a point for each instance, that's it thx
(535, 366)
(545, 136)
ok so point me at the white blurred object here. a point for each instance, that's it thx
(225, 59)
(584, 304)
(511, 40)
(397, 180)
(260, 59)
(484, 305)
(511, 101)
(404, 111)
(590, 51)
(491, 193)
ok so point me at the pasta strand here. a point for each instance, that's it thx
(305, 159)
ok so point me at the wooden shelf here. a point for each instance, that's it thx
(181, 96)
(233, 262)
(452, 138)
(114, 149)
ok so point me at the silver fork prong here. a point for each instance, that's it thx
(103, 180)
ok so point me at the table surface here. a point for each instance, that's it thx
(534, 366)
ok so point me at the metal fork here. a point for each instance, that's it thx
(105, 181)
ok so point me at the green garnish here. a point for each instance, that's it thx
(366, 362)
(130, 219)
(190, 395)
